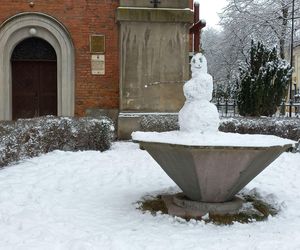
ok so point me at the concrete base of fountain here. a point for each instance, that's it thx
(248, 207)
(179, 205)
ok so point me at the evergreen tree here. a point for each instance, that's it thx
(263, 82)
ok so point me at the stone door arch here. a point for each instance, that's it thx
(26, 25)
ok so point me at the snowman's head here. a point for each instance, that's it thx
(199, 63)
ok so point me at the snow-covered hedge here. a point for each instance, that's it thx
(159, 123)
(5, 128)
(283, 127)
(31, 137)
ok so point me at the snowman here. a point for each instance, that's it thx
(198, 115)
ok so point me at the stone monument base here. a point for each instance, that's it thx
(179, 205)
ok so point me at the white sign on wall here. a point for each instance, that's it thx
(98, 64)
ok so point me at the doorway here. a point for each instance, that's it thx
(34, 79)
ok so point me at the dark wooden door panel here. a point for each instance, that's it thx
(34, 88)
(48, 89)
(23, 107)
(25, 77)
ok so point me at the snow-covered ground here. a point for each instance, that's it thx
(87, 200)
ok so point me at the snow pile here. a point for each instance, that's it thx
(198, 114)
(212, 139)
(31, 137)
(87, 201)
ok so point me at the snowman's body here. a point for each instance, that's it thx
(198, 114)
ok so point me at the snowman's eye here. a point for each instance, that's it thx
(194, 61)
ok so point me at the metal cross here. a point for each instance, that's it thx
(155, 3)
(195, 29)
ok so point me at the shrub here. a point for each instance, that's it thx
(32, 137)
(283, 127)
(5, 127)
(159, 123)
(263, 82)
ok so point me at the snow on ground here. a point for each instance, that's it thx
(87, 200)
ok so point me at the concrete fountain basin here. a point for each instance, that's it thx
(212, 174)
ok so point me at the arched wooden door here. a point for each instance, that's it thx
(34, 79)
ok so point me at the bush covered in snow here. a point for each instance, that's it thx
(263, 82)
(159, 123)
(283, 127)
(31, 137)
(5, 127)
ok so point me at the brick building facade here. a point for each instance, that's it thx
(70, 26)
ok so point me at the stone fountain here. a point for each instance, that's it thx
(209, 166)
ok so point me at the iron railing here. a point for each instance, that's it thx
(285, 108)
(228, 108)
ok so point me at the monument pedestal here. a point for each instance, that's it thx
(154, 55)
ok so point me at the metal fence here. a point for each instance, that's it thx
(228, 108)
(286, 107)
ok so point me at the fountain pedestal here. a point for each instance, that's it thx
(179, 205)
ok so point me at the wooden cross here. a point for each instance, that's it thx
(155, 3)
(195, 29)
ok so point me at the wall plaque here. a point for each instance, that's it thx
(98, 64)
(97, 43)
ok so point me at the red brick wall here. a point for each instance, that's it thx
(82, 18)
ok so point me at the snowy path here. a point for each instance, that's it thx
(86, 200)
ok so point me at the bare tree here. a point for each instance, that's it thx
(268, 21)
(222, 58)
(264, 20)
